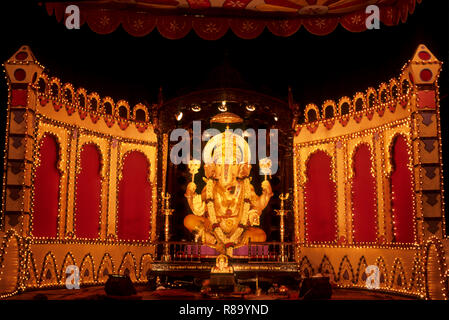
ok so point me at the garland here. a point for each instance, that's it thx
(228, 241)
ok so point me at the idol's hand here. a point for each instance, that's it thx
(266, 187)
(254, 218)
(191, 188)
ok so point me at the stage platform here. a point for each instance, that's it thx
(201, 269)
(97, 293)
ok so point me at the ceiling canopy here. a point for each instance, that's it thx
(211, 19)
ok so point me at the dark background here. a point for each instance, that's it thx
(317, 68)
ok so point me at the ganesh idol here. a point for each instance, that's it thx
(226, 214)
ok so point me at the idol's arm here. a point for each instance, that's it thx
(196, 201)
(260, 202)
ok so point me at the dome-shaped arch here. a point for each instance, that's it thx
(345, 272)
(305, 268)
(380, 263)
(68, 93)
(345, 106)
(371, 98)
(108, 106)
(81, 98)
(312, 113)
(68, 260)
(105, 268)
(359, 102)
(49, 274)
(406, 86)
(128, 266)
(87, 267)
(123, 110)
(146, 262)
(329, 109)
(140, 113)
(41, 84)
(94, 104)
(398, 277)
(327, 269)
(394, 89)
(384, 93)
(54, 88)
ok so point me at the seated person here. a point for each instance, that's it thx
(222, 276)
(221, 265)
(159, 285)
(274, 289)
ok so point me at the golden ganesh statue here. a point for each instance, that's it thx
(222, 265)
(226, 213)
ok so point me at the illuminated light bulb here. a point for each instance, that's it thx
(223, 106)
(179, 116)
(196, 108)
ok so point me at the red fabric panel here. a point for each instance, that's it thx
(174, 27)
(88, 193)
(354, 22)
(402, 192)
(103, 21)
(134, 198)
(247, 29)
(236, 4)
(284, 28)
(210, 28)
(19, 97)
(320, 27)
(138, 24)
(199, 4)
(364, 197)
(320, 199)
(426, 99)
(46, 189)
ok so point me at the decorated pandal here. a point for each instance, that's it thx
(90, 182)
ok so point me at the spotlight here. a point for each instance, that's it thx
(223, 106)
(179, 116)
(250, 107)
(276, 118)
(196, 108)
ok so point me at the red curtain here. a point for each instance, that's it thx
(139, 22)
(134, 198)
(88, 193)
(402, 192)
(320, 199)
(46, 189)
(364, 197)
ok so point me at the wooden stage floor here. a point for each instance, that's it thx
(97, 293)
